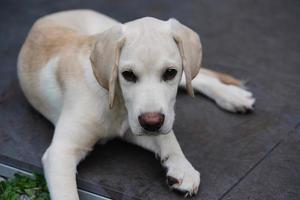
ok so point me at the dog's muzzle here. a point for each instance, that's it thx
(151, 121)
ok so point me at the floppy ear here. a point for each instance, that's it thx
(190, 49)
(105, 58)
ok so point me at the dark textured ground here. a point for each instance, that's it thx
(256, 156)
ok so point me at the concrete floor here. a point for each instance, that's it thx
(252, 156)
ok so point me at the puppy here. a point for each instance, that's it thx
(94, 78)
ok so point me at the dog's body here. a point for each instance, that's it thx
(61, 73)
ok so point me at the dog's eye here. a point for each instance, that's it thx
(169, 74)
(129, 76)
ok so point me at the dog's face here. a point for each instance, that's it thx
(147, 61)
(150, 69)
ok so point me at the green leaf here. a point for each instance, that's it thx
(34, 187)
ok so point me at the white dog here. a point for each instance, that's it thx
(94, 78)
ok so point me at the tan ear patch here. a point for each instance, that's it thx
(105, 58)
(190, 49)
(186, 70)
(114, 75)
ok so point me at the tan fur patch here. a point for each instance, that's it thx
(45, 41)
(224, 78)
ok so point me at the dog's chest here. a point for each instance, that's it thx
(112, 122)
(119, 121)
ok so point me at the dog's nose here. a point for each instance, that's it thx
(151, 121)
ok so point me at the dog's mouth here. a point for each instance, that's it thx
(149, 133)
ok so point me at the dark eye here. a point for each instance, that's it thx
(129, 76)
(169, 74)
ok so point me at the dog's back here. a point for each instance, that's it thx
(52, 41)
(83, 21)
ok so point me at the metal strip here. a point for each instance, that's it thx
(9, 171)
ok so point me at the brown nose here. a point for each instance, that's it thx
(151, 121)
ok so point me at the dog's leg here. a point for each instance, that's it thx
(225, 90)
(181, 175)
(73, 139)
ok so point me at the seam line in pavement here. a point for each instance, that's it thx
(260, 161)
(251, 169)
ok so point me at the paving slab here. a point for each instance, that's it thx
(277, 177)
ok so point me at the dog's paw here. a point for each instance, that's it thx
(181, 175)
(235, 99)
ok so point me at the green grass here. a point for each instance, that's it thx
(34, 187)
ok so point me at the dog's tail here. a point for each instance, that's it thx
(228, 92)
(224, 78)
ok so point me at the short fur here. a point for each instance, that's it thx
(70, 69)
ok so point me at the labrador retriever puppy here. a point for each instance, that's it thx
(94, 78)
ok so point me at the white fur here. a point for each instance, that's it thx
(229, 97)
(49, 89)
(81, 113)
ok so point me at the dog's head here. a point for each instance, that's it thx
(146, 57)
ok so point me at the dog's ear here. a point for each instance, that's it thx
(190, 49)
(105, 58)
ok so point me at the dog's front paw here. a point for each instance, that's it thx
(235, 99)
(181, 175)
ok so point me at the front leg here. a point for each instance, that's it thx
(73, 138)
(181, 175)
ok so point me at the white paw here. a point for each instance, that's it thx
(181, 175)
(235, 99)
